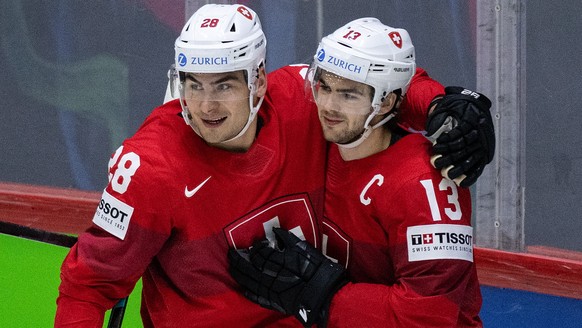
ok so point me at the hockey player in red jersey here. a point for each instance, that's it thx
(402, 230)
(216, 169)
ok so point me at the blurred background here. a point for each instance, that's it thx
(77, 77)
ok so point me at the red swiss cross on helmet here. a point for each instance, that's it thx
(245, 12)
(396, 38)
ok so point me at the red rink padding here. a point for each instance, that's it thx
(559, 274)
(51, 209)
(543, 270)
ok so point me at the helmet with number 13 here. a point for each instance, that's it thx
(368, 52)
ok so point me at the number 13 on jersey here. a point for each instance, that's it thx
(452, 209)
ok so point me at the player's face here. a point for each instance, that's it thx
(218, 104)
(343, 106)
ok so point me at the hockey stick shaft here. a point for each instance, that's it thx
(117, 314)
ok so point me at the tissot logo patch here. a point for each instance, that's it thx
(113, 215)
(440, 241)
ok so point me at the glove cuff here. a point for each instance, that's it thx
(319, 292)
(483, 102)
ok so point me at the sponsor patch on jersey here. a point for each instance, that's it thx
(113, 215)
(440, 241)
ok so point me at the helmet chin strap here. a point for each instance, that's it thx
(252, 115)
(367, 131)
(253, 109)
(376, 105)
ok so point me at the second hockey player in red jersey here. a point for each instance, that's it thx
(402, 231)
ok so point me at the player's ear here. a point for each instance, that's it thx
(261, 83)
(388, 104)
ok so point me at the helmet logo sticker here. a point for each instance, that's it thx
(245, 12)
(321, 55)
(344, 64)
(182, 60)
(396, 38)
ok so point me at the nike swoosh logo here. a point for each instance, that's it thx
(190, 193)
(303, 314)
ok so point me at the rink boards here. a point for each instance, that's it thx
(541, 288)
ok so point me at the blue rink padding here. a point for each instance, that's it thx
(511, 308)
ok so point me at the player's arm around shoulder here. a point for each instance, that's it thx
(290, 97)
(415, 105)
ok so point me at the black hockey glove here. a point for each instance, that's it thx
(461, 129)
(293, 278)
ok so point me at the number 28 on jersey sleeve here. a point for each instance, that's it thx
(112, 214)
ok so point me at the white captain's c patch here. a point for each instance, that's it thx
(440, 241)
(113, 215)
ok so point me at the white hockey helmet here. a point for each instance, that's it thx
(219, 39)
(369, 52)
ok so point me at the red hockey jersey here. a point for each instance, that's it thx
(174, 205)
(404, 233)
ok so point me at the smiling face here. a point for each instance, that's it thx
(218, 104)
(343, 106)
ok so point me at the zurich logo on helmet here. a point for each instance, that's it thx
(321, 55)
(182, 60)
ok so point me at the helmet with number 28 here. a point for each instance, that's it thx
(220, 39)
(369, 52)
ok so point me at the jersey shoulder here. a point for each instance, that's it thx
(157, 148)
(163, 124)
(410, 156)
(407, 162)
(288, 96)
(287, 82)
(418, 188)
(295, 73)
